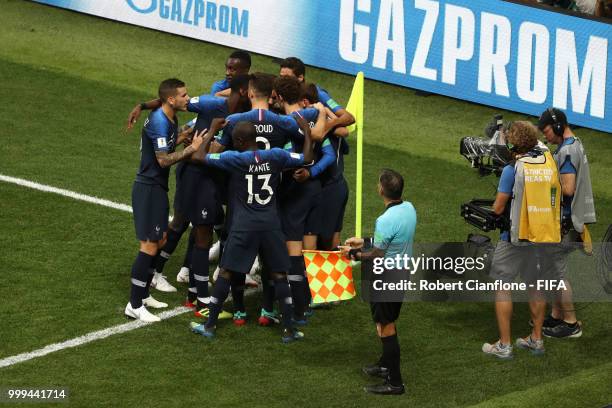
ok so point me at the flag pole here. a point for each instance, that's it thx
(355, 107)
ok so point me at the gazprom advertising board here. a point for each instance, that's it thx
(487, 51)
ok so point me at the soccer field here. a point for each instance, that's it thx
(69, 82)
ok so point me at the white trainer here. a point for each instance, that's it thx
(213, 255)
(154, 303)
(140, 314)
(183, 275)
(160, 283)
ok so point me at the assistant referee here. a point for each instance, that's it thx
(393, 235)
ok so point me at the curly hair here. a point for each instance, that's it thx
(523, 135)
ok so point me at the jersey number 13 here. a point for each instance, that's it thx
(265, 186)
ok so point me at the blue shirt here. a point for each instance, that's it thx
(253, 187)
(208, 108)
(219, 86)
(394, 232)
(159, 134)
(273, 130)
(506, 184)
(328, 101)
(335, 171)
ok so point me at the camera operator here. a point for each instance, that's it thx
(393, 235)
(530, 189)
(578, 210)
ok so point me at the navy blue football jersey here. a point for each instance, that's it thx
(253, 186)
(273, 130)
(159, 134)
(219, 85)
(208, 108)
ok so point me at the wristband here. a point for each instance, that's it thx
(353, 253)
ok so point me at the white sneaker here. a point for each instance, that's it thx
(183, 275)
(154, 303)
(160, 283)
(140, 314)
(216, 274)
(213, 255)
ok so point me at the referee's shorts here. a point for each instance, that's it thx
(385, 312)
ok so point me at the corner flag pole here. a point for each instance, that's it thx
(355, 107)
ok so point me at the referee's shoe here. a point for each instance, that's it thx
(386, 388)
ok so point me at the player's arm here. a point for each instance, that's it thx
(224, 93)
(343, 117)
(308, 145)
(339, 131)
(215, 126)
(165, 159)
(328, 157)
(135, 113)
(317, 133)
(186, 132)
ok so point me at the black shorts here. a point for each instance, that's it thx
(300, 209)
(151, 209)
(333, 203)
(242, 247)
(178, 194)
(385, 312)
(200, 201)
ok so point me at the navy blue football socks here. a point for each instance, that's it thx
(140, 277)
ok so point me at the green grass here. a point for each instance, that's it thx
(70, 81)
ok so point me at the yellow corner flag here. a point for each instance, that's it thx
(355, 107)
(330, 276)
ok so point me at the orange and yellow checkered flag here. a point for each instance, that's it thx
(330, 276)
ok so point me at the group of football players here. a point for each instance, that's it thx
(262, 169)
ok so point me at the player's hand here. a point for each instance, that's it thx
(133, 117)
(354, 242)
(319, 106)
(301, 175)
(218, 124)
(185, 136)
(197, 139)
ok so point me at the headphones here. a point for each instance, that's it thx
(557, 126)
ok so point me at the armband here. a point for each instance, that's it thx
(143, 106)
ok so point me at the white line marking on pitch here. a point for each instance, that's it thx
(65, 193)
(88, 338)
(97, 335)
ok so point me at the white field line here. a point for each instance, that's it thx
(88, 338)
(96, 335)
(65, 193)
